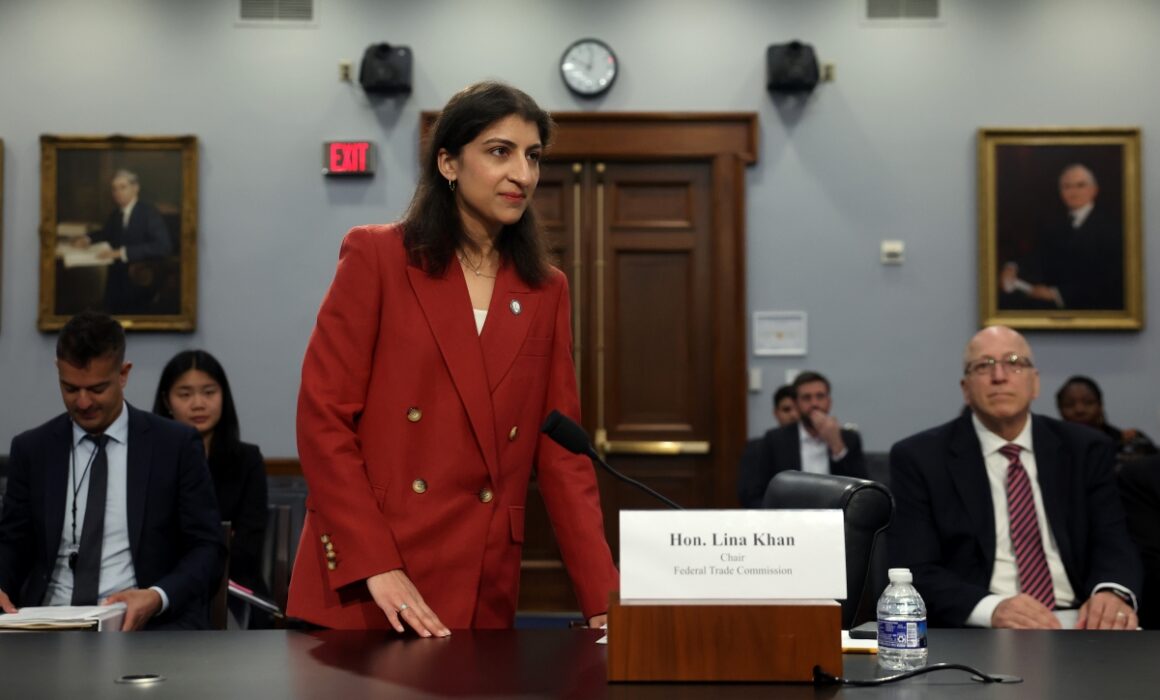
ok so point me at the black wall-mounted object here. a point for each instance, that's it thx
(386, 69)
(791, 67)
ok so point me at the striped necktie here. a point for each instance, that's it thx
(1030, 561)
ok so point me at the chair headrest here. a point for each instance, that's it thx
(866, 504)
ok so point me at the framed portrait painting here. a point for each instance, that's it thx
(118, 230)
(1060, 228)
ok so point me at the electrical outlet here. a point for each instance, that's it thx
(892, 252)
(344, 70)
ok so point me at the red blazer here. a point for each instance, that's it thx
(418, 437)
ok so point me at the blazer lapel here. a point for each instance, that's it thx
(56, 473)
(509, 316)
(1051, 463)
(447, 307)
(969, 475)
(137, 473)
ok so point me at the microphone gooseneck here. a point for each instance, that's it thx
(567, 434)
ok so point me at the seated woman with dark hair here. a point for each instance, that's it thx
(1080, 400)
(193, 389)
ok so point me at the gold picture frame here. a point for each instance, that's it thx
(118, 230)
(1, 222)
(1060, 244)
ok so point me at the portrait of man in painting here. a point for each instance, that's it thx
(1065, 221)
(1060, 227)
(118, 229)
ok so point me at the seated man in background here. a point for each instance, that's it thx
(784, 405)
(106, 503)
(1005, 517)
(815, 443)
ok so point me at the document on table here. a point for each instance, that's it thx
(84, 257)
(105, 618)
(858, 646)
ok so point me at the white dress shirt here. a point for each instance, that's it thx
(1005, 575)
(815, 454)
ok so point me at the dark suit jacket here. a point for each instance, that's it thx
(944, 522)
(1085, 264)
(144, 239)
(780, 449)
(174, 528)
(240, 484)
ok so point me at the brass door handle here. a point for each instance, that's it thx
(653, 447)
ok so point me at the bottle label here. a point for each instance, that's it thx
(894, 634)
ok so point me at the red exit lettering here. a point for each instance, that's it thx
(348, 157)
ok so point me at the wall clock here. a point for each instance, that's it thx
(589, 67)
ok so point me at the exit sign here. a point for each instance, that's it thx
(348, 158)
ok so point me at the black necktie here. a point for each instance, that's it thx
(87, 575)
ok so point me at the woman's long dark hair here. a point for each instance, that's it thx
(227, 438)
(432, 228)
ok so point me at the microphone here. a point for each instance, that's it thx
(567, 434)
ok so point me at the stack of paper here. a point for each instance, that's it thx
(104, 618)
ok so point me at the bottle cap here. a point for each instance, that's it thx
(900, 576)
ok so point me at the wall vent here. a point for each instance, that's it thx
(276, 11)
(902, 9)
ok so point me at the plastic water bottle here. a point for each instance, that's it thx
(901, 624)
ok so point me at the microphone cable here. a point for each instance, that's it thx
(822, 679)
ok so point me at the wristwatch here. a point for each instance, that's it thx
(1126, 597)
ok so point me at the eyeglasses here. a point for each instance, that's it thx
(1013, 363)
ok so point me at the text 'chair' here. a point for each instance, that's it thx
(867, 508)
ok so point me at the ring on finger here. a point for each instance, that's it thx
(403, 607)
(1121, 614)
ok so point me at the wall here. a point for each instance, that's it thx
(886, 151)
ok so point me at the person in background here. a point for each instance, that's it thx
(814, 442)
(442, 345)
(1080, 400)
(784, 405)
(106, 503)
(193, 390)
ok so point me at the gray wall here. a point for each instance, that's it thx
(886, 151)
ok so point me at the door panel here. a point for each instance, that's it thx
(645, 216)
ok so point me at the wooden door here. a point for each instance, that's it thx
(645, 215)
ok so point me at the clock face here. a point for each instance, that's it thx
(589, 67)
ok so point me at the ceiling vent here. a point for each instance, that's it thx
(276, 12)
(902, 9)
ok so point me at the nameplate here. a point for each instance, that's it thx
(695, 556)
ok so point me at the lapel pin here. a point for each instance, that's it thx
(515, 307)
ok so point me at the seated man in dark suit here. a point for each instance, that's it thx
(106, 503)
(815, 442)
(1005, 517)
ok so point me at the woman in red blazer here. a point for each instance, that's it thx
(441, 346)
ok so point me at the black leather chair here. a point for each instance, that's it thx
(218, 612)
(867, 508)
(1139, 481)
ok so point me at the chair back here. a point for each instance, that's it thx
(276, 554)
(867, 508)
(218, 607)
